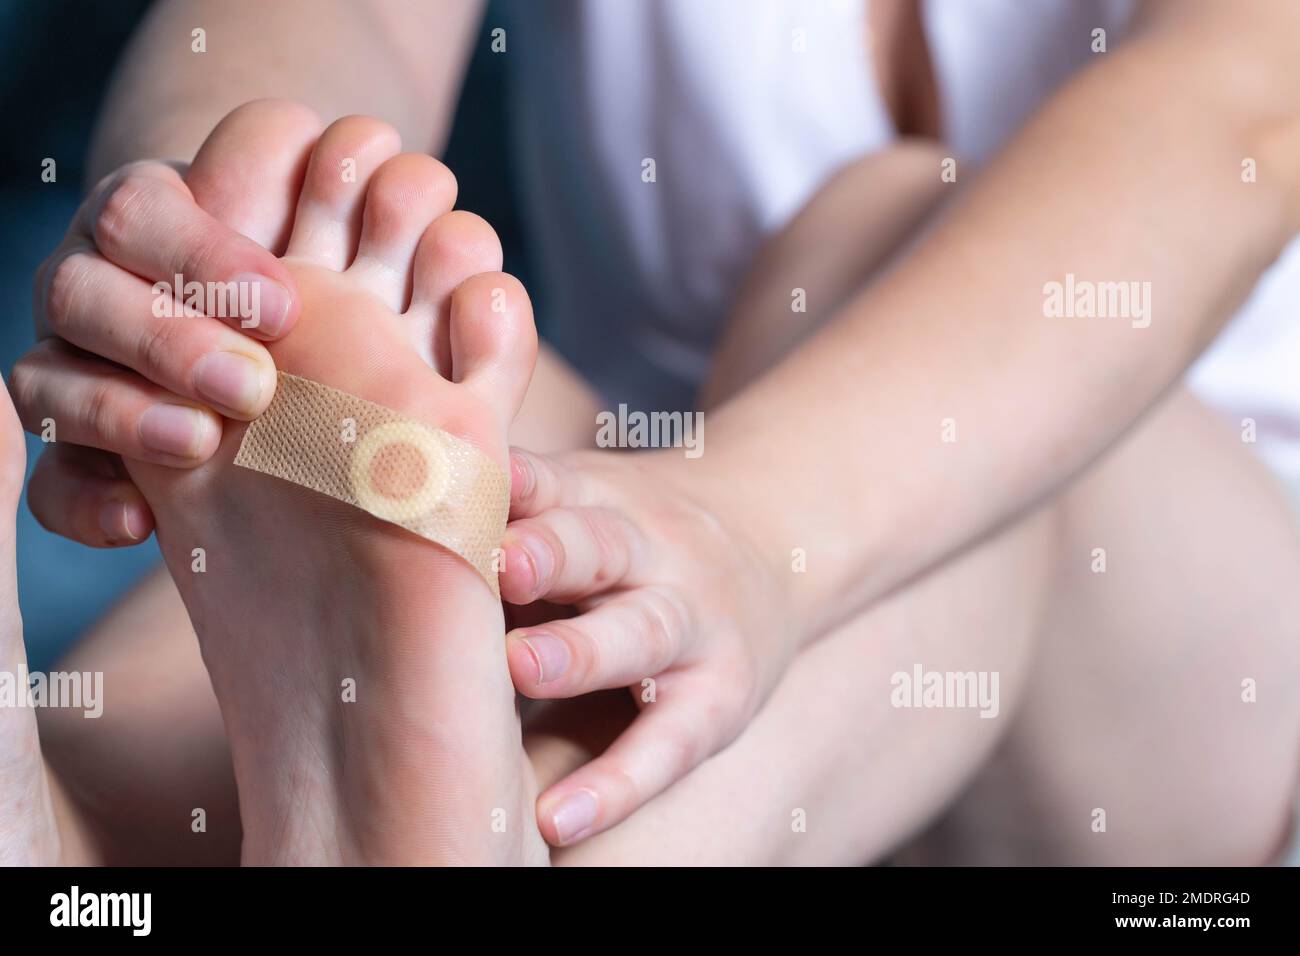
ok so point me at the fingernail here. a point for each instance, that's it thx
(118, 523)
(550, 654)
(575, 815)
(267, 303)
(233, 381)
(173, 430)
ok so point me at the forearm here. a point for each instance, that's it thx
(400, 61)
(943, 401)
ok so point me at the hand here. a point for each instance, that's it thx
(674, 603)
(116, 379)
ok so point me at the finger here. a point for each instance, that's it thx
(145, 220)
(620, 642)
(97, 307)
(67, 396)
(74, 493)
(664, 743)
(540, 482)
(248, 172)
(566, 554)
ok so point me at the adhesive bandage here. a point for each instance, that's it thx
(393, 467)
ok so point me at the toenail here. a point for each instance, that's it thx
(539, 556)
(233, 381)
(269, 303)
(575, 815)
(521, 477)
(176, 430)
(550, 654)
(117, 522)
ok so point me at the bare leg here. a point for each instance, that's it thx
(1123, 693)
(1126, 696)
(855, 225)
(1138, 703)
(829, 772)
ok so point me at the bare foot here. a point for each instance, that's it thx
(302, 597)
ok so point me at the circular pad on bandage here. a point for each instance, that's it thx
(400, 471)
(426, 480)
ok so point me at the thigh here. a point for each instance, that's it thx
(1165, 692)
(833, 770)
(851, 229)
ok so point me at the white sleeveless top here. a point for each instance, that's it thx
(745, 117)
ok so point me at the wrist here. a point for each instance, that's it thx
(745, 514)
(780, 483)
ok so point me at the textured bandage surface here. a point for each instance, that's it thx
(397, 469)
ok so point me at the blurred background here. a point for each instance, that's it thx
(59, 56)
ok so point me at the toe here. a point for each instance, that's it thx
(453, 248)
(493, 341)
(328, 222)
(248, 173)
(406, 194)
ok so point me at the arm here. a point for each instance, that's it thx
(1132, 172)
